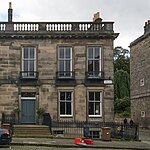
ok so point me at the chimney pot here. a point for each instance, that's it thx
(10, 5)
(96, 17)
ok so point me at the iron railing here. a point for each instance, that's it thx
(28, 75)
(94, 75)
(65, 75)
(72, 129)
(76, 129)
(8, 119)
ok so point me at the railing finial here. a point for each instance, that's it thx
(10, 5)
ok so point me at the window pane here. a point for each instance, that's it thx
(97, 96)
(91, 108)
(68, 96)
(91, 96)
(32, 52)
(96, 64)
(62, 108)
(90, 52)
(90, 66)
(68, 52)
(31, 66)
(97, 55)
(25, 52)
(62, 95)
(61, 65)
(25, 65)
(67, 65)
(61, 52)
(68, 108)
(97, 108)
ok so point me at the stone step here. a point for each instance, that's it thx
(31, 131)
(32, 136)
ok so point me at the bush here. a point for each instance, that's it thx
(122, 105)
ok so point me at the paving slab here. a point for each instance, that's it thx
(137, 145)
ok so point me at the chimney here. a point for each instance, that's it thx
(97, 18)
(10, 13)
(147, 27)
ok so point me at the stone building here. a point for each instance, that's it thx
(140, 78)
(64, 67)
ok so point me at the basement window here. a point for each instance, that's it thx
(58, 133)
(95, 134)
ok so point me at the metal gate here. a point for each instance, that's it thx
(28, 110)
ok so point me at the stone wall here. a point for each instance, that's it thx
(46, 89)
(140, 80)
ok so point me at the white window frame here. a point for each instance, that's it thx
(65, 59)
(29, 59)
(65, 115)
(93, 59)
(100, 101)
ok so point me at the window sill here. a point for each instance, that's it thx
(67, 116)
(95, 116)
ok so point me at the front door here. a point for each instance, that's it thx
(28, 110)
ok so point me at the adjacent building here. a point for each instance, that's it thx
(140, 78)
(64, 67)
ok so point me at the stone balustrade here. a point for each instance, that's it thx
(56, 27)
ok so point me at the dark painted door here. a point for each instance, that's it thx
(28, 110)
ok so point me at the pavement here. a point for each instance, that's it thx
(142, 144)
(68, 143)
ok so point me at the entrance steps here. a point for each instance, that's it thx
(31, 131)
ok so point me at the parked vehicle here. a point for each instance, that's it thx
(5, 136)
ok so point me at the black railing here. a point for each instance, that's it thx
(76, 129)
(65, 75)
(73, 129)
(28, 75)
(94, 75)
(8, 119)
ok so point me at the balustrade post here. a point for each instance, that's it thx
(108, 27)
(42, 26)
(9, 27)
(75, 27)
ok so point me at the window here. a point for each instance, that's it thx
(142, 82)
(95, 103)
(65, 62)
(66, 102)
(142, 114)
(94, 134)
(94, 62)
(28, 62)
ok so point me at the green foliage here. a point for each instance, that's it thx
(40, 112)
(125, 114)
(16, 110)
(122, 104)
(121, 84)
(121, 59)
(122, 81)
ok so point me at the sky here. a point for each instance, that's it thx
(129, 15)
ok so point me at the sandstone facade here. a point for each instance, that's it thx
(17, 91)
(140, 79)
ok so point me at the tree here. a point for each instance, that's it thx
(122, 84)
(121, 59)
(122, 80)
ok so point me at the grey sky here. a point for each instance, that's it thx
(129, 15)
